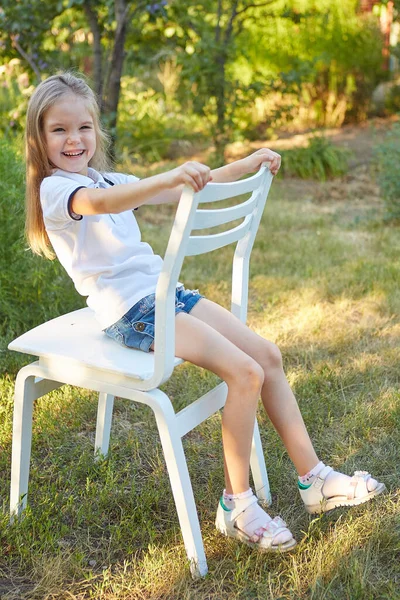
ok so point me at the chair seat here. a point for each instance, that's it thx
(77, 336)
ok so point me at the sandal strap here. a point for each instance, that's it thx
(236, 511)
(276, 524)
(320, 479)
(358, 477)
(272, 529)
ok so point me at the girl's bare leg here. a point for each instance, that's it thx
(277, 397)
(202, 345)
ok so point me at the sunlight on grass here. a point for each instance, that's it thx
(305, 316)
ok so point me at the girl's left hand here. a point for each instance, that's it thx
(255, 160)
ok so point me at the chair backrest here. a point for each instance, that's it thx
(181, 243)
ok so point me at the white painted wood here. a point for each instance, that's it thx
(103, 425)
(21, 441)
(220, 216)
(73, 350)
(84, 343)
(214, 192)
(199, 410)
(258, 470)
(200, 244)
(182, 489)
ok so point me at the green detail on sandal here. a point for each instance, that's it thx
(303, 486)
(223, 505)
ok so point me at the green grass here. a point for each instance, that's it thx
(324, 286)
(387, 156)
(320, 159)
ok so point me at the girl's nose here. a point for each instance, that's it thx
(72, 138)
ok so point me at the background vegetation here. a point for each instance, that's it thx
(212, 81)
(170, 75)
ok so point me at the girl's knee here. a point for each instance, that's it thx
(249, 375)
(272, 358)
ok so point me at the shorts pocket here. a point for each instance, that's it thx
(146, 304)
(142, 328)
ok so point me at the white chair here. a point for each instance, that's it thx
(73, 350)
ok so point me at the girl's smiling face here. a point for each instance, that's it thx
(69, 134)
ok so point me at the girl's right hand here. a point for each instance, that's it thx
(191, 173)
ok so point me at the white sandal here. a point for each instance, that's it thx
(225, 522)
(315, 500)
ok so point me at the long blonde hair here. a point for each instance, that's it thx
(38, 166)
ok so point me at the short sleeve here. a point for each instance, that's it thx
(118, 178)
(56, 194)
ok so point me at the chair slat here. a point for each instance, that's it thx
(200, 244)
(220, 191)
(219, 216)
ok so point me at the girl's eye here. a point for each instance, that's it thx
(58, 129)
(86, 127)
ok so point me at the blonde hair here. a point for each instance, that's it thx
(38, 165)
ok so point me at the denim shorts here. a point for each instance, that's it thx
(136, 328)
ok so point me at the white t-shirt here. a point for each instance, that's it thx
(103, 254)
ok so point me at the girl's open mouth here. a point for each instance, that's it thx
(73, 154)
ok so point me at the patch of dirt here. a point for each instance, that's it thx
(357, 185)
(358, 139)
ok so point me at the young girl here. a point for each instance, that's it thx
(83, 211)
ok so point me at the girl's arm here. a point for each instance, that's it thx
(230, 172)
(167, 187)
(116, 199)
(251, 163)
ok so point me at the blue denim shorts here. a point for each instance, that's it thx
(136, 328)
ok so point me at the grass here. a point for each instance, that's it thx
(387, 155)
(324, 286)
(320, 159)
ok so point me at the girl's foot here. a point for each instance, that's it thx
(246, 521)
(324, 489)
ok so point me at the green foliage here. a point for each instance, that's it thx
(388, 161)
(392, 100)
(151, 126)
(320, 159)
(32, 289)
(24, 26)
(14, 93)
(313, 64)
(238, 70)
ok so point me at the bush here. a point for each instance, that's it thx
(319, 160)
(33, 289)
(388, 161)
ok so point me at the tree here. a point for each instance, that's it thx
(23, 28)
(25, 25)
(109, 22)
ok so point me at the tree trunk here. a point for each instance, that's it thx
(112, 93)
(220, 138)
(97, 48)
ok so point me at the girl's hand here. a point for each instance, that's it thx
(255, 160)
(191, 173)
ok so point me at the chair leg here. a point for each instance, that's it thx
(258, 468)
(103, 425)
(25, 395)
(182, 492)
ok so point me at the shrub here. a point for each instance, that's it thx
(320, 159)
(388, 161)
